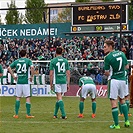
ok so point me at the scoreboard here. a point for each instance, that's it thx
(97, 17)
(99, 28)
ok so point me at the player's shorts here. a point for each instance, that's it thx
(23, 90)
(127, 90)
(88, 89)
(60, 88)
(116, 88)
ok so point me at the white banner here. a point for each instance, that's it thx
(37, 90)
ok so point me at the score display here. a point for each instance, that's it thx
(98, 28)
(99, 14)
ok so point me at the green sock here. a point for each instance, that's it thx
(125, 111)
(28, 106)
(61, 105)
(120, 108)
(93, 107)
(81, 107)
(115, 115)
(127, 102)
(56, 108)
(17, 105)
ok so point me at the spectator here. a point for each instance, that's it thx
(99, 78)
(131, 53)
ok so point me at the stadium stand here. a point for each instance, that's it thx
(86, 48)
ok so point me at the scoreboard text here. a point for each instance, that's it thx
(99, 14)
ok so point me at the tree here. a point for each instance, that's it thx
(36, 14)
(0, 20)
(83, 0)
(107, 0)
(21, 18)
(63, 17)
(131, 10)
(12, 16)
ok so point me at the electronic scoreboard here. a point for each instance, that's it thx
(99, 17)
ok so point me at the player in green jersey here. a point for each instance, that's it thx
(1, 71)
(25, 71)
(59, 80)
(87, 86)
(118, 62)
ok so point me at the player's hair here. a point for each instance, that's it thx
(110, 43)
(59, 50)
(88, 73)
(22, 53)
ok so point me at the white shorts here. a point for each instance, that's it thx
(60, 88)
(23, 90)
(117, 88)
(88, 89)
(127, 90)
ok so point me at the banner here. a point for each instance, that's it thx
(44, 90)
(29, 31)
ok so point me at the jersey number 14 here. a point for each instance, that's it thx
(61, 67)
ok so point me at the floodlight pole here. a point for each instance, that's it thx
(120, 26)
(49, 24)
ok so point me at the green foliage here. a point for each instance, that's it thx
(107, 0)
(12, 16)
(43, 107)
(64, 16)
(34, 15)
(131, 10)
(21, 18)
(0, 20)
(83, 0)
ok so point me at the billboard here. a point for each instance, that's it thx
(44, 90)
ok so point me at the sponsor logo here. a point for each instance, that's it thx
(6, 89)
(9, 90)
(101, 92)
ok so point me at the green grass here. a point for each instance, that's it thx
(42, 108)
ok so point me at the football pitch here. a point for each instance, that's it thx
(42, 109)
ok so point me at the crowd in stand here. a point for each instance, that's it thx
(76, 48)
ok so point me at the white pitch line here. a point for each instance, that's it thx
(63, 121)
(23, 112)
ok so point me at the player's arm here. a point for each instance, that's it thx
(11, 72)
(127, 66)
(106, 67)
(1, 73)
(107, 72)
(126, 62)
(80, 84)
(68, 79)
(51, 79)
(32, 73)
